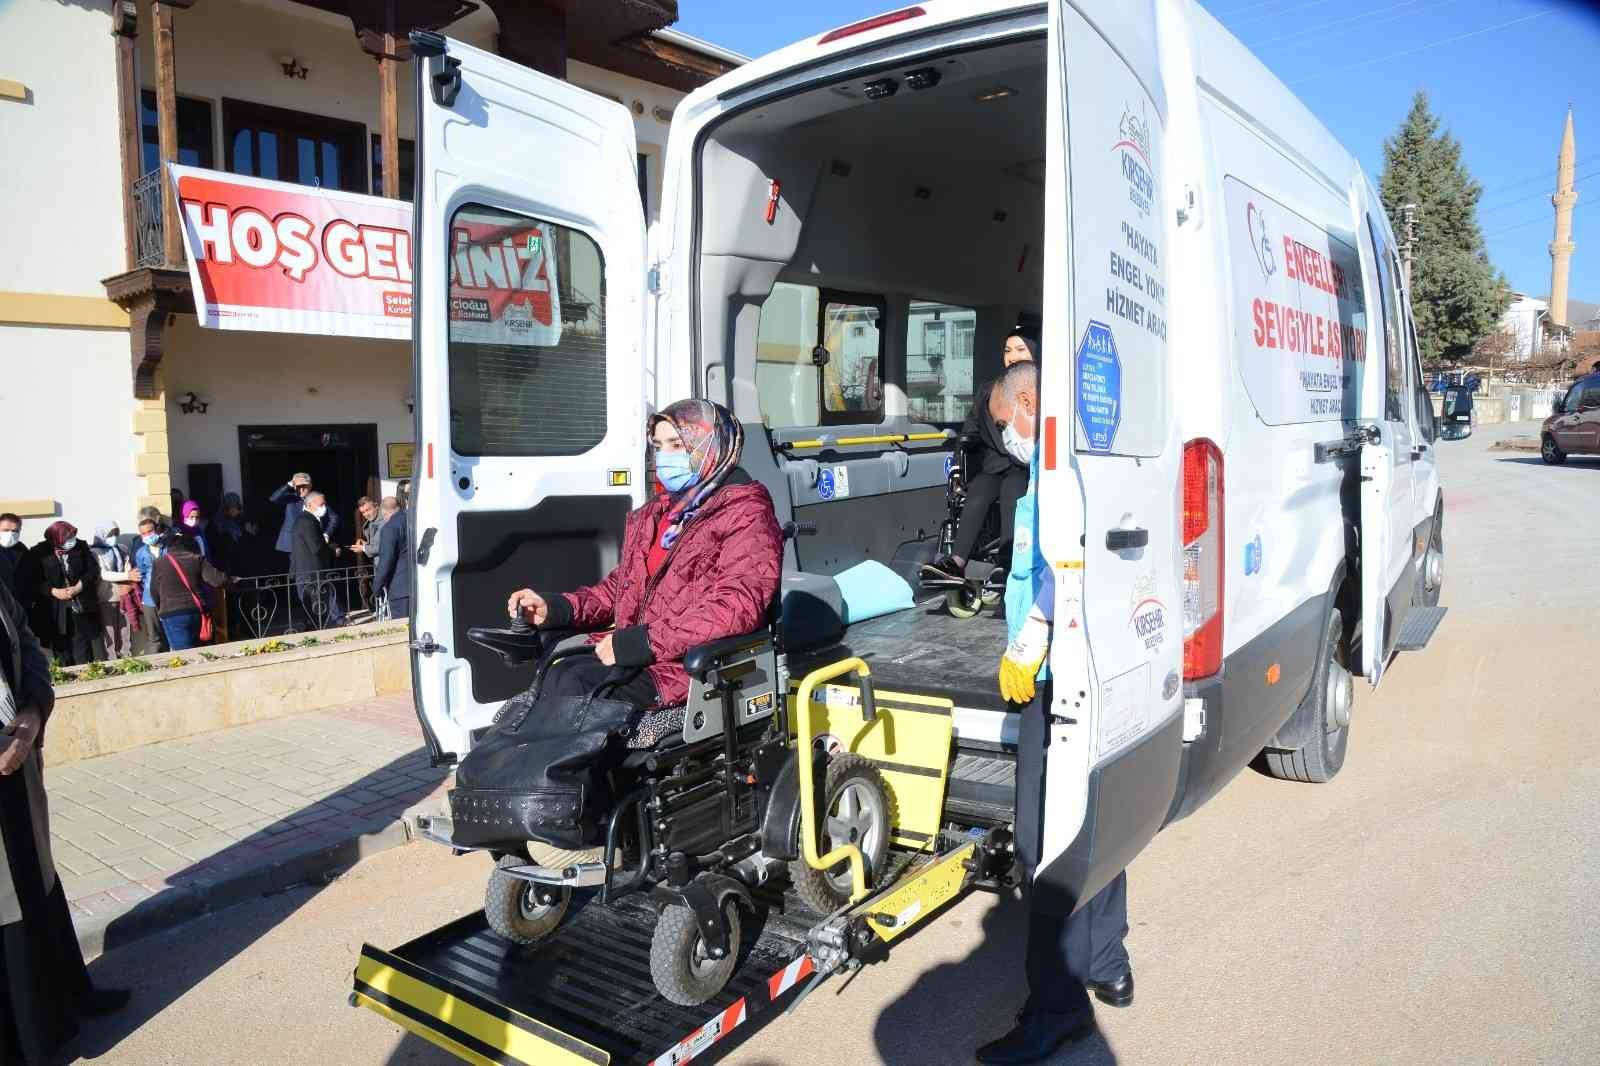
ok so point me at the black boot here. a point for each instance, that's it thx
(1035, 1038)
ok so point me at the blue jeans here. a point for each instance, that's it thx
(182, 629)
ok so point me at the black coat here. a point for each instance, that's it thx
(62, 571)
(992, 457)
(308, 552)
(293, 508)
(394, 558)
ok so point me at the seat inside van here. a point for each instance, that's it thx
(864, 248)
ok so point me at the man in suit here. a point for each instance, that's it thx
(293, 497)
(311, 555)
(393, 575)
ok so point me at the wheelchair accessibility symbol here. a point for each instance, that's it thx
(825, 484)
(949, 464)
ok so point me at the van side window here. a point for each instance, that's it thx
(527, 336)
(1419, 390)
(852, 382)
(797, 320)
(1393, 346)
(939, 361)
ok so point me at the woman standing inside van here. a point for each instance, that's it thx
(1000, 474)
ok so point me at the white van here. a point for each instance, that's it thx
(1238, 492)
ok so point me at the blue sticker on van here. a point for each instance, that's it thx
(1098, 381)
(949, 464)
(825, 483)
(1252, 557)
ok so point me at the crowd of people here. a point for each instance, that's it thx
(171, 585)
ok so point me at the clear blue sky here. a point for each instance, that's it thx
(1499, 74)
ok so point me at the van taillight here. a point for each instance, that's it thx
(1203, 557)
(871, 24)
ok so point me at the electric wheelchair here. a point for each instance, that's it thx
(984, 580)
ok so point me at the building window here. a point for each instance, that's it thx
(408, 167)
(939, 361)
(194, 132)
(271, 142)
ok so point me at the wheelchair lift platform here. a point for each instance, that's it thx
(585, 995)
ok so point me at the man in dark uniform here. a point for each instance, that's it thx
(1069, 955)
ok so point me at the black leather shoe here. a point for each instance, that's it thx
(1117, 992)
(944, 567)
(102, 1001)
(1035, 1038)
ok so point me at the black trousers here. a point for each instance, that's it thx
(1064, 951)
(982, 492)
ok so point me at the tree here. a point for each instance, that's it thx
(1457, 296)
(1494, 350)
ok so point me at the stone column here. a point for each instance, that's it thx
(1561, 249)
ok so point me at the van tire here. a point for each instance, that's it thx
(1551, 452)
(1320, 759)
(1426, 595)
(510, 908)
(856, 775)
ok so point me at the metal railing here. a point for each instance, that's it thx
(148, 234)
(272, 605)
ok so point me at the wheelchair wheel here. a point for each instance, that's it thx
(683, 971)
(856, 809)
(514, 908)
(964, 602)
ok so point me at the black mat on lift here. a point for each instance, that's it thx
(926, 651)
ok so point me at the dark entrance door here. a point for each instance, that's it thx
(342, 462)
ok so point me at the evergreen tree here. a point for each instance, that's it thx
(1457, 296)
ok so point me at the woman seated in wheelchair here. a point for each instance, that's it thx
(700, 562)
(997, 473)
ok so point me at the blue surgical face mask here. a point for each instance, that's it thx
(674, 471)
(151, 538)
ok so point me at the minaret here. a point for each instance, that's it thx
(1562, 247)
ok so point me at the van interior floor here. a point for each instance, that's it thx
(926, 651)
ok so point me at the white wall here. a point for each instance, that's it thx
(66, 402)
(267, 379)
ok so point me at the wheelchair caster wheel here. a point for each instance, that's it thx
(680, 965)
(964, 602)
(521, 911)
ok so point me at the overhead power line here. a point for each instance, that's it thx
(1265, 15)
(1347, 21)
(1546, 219)
(1424, 47)
(1579, 180)
(1548, 174)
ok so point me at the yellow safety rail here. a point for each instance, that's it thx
(808, 799)
(883, 438)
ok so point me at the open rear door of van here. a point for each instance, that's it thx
(1098, 765)
(528, 341)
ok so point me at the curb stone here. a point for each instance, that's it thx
(205, 894)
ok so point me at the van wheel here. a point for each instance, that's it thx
(1551, 452)
(1334, 690)
(963, 602)
(1430, 577)
(683, 970)
(856, 809)
(521, 911)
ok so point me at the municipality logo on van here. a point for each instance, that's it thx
(1133, 145)
(1260, 240)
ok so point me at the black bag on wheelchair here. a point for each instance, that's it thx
(542, 772)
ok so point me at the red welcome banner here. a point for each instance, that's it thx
(272, 256)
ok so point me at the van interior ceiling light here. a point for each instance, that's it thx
(998, 92)
(871, 24)
(878, 90)
(922, 78)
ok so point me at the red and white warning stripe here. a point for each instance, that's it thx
(789, 976)
(703, 1037)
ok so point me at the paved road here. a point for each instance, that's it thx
(1435, 904)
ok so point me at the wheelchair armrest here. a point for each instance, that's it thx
(701, 659)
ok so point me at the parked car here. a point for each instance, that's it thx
(1573, 427)
(1455, 416)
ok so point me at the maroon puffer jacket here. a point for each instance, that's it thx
(717, 582)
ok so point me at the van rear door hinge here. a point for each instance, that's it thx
(425, 645)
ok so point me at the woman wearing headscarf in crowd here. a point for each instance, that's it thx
(194, 527)
(119, 579)
(69, 587)
(44, 986)
(179, 577)
(700, 561)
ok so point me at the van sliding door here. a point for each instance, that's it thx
(528, 331)
(1099, 763)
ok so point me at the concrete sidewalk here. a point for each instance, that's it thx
(147, 838)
